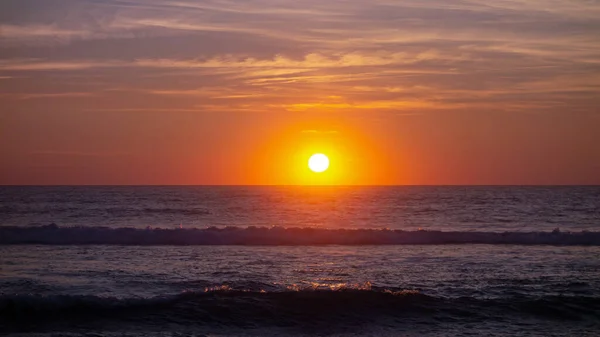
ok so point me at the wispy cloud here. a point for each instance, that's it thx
(514, 76)
(43, 65)
(38, 31)
(376, 55)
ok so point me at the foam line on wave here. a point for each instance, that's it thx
(55, 235)
(290, 307)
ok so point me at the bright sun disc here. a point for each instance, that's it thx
(318, 162)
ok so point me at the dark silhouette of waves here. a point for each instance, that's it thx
(307, 309)
(55, 235)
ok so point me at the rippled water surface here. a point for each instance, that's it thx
(411, 207)
(148, 287)
(480, 271)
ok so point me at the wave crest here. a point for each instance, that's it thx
(55, 235)
(320, 308)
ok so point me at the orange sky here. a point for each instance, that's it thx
(242, 92)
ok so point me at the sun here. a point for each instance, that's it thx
(318, 162)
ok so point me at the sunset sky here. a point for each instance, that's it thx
(243, 92)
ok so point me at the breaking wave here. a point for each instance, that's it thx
(55, 235)
(305, 308)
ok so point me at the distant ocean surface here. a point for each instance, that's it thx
(300, 261)
(408, 208)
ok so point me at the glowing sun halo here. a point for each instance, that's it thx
(318, 162)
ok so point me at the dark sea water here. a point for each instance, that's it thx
(300, 261)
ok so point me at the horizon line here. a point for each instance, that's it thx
(300, 185)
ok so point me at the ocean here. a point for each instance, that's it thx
(300, 261)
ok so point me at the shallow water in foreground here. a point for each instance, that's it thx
(453, 290)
